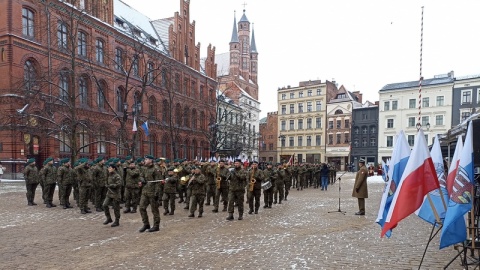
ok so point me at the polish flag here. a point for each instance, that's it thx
(418, 179)
(452, 170)
(290, 161)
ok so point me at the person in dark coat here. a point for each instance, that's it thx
(324, 174)
(360, 190)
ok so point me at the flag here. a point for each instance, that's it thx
(452, 171)
(145, 127)
(460, 202)
(425, 211)
(398, 162)
(290, 161)
(418, 179)
(134, 129)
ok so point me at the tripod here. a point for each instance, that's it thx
(339, 189)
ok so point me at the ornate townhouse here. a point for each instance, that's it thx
(364, 142)
(269, 138)
(466, 98)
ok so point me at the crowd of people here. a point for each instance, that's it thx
(159, 182)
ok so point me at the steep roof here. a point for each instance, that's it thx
(234, 31)
(244, 18)
(223, 64)
(263, 120)
(253, 46)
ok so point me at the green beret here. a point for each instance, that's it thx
(113, 165)
(122, 160)
(30, 161)
(171, 168)
(64, 160)
(149, 157)
(114, 160)
(139, 160)
(128, 157)
(167, 160)
(47, 160)
(158, 160)
(98, 159)
(175, 160)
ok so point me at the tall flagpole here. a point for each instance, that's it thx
(419, 123)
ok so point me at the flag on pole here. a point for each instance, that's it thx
(145, 127)
(452, 171)
(426, 212)
(400, 155)
(418, 179)
(134, 129)
(290, 161)
(454, 227)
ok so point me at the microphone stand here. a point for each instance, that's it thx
(339, 189)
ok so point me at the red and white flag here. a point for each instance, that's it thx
(290, 161)
(452, 170)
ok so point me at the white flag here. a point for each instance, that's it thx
(134, 124)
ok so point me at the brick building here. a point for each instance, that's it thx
(269, 138)
(76, 74)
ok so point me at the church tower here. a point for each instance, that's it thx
(244, 39)
(234, 50)
(253, 59)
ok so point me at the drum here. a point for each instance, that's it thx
(266, 185)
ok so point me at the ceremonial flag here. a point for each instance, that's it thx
(454, 227)
(290, 161)
(134, 129)
(452, 171)
(398, 162)
(418, 179)
(426, 212)
(145, 127)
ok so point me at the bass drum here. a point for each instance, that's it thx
(266, 185)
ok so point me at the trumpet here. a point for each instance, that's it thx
(218, 179)
(252, 180)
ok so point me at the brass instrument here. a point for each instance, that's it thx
(218, 179)
(184, 180)
(252, 180)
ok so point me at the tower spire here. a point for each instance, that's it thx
(253, 46)
(234, 32)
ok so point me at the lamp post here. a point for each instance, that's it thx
(282, 142)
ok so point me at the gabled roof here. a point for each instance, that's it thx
(413, 84)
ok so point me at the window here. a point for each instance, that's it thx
(319, 92)
(412, 103)
(347, 123)
(318, 140)
(284, 96)
(330, 139)
(339, 124)
(83, 91)
(426, 102)
(364, 116)
(82, 44)
(318, 122)
(425, 121)
(426, 137)
(411, 122)
(394, 104)
(292, 108)
(284, 109)
(364, 130)
(136, 71)
(62, 35)
(63, 87)
(466, 96)
(118, 59)
(373, 142)
(150, 75)
(100, 96)
(439, 120)
(64, 142)
(84, 139)
(300, 107)
(283, 125)
(318, 106)
(270, 147)
(291, 142)
(164, 81)
(373, 130)
(464, 116)
(102, 144)
(355, 143)
(300, 140)
(346, 137)
(440, 100)
(28, 24)
(330, 124)
(309, 123)
(300, 94)
(309, 106)
(300, 123)
(356, 130)
(292, 125)
(411, 139)
(292, 95)
(309, 140)
(99, 50)
(389, 141)
(309, 93)
(29, 76)
(386, 106)
(152, 107)
(389, 123)
(282, 141)
(339, 138)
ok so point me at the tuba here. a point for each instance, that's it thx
(252, 180)
(184, 180)
(218, 179)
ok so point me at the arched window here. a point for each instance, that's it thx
(101, 95)
(100, 51)
(119, 99)
(101, 142)
(83, 91)
(63, 86)
(338, 112)
(186, 117)
(84, 140)
(150, 70)
(118, 59)
(137, 103)
(82, 44)
(29, 76)
(28, 23)
(166, 111)
(202, 121)
(194, 119)
(135, 66)
(62, 32)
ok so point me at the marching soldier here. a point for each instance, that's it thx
(49, 175)
(210, 174)
(132, 188)
(221, 186)
(288, 179)
(236, 189)
(30, 173)
(279, 184)
(254, 189)
(65, 181)
(181, 171)
(99, 177)
(162, 168)
(150, 195)
(295, 175)
(301, 176)
(114, 188)
(169, 191)
(269, 175)
(197, 188)
(84, 179)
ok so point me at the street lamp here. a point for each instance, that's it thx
(282, 142)
(428, 126)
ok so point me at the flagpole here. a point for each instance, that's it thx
(434, 209)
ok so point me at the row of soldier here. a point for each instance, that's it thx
(157, 182)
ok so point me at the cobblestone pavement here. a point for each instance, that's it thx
(298, 234)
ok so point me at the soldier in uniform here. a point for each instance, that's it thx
(30, 174)
(295, 175)
(210, 174)
(255, 193)
(84, 179)
(162, 168)
(169, 191)
(269, 175)
(333, 173)
(49, 174)
(236, 189)
(65, 180)
(181, 188)
(114, 188)
(279, 184)
(150, 195)
(301, 176)
(132, 188)
(197, 184)
(99, 176)
(360, 189)
(288, 179)
(221, 172)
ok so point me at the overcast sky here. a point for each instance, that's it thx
(363, 45)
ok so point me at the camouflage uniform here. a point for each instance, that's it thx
(84, 179)
(301, 177)
(295, 176)
(65, 179)
(211, 189)
(114, 188)
(49, 174)
(181, 188)
(279, 186)
(150, 195)
(169, 191)
(30, 173)
(236, 192)
(99, 176)
(197, 187)
(132, 190)
(269, 175)
(288, 181)
(222, 191)
(255, 194)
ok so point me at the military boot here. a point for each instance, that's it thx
(69, 205)
(171, 213)
(200, 214)
(134, 210)
(256, 210)
(144, 228)
(230, 216)
(280, 202)
(116, 223)
(98, 209)
(224, 208)
(109, 220)
(88, 210)
(127, 210)
(215, 210)
(33, 203)
(265, 206)
(191, 215)
(155, 228)
(240, 216)
(250, 212)
(186, 207)
(53, 205)
(83, 212)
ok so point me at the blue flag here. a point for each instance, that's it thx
(145, 127)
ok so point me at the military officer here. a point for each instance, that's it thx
(132, 188)
(65, 180)
(114, 188)
(236, 189)
(197, 184)
(254, 189)
(49, 174)
(221, 173)
(150, 195)
(360, 189)
(99, 176)
(169, 191)
(30, 174)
